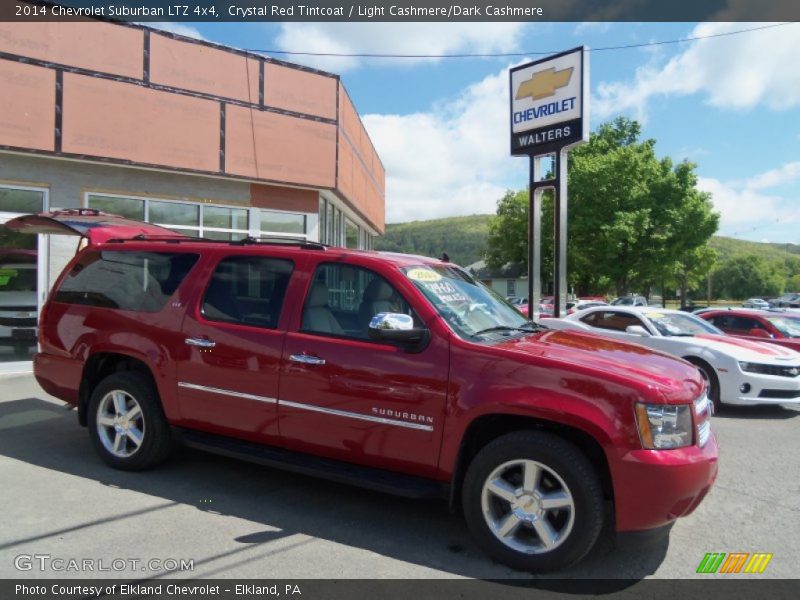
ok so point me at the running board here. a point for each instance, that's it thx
(371, 478)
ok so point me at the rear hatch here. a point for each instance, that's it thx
(95, 226)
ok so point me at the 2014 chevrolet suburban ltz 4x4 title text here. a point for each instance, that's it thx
(399, 373)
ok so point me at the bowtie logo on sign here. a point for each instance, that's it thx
(543, 84)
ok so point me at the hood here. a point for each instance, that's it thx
(793, 343)
(675, 379)
(749, 350)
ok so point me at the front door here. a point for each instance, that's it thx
(349, 398)
(227, 372)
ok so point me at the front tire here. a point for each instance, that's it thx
(711, 380)
(126, 423)
(533, 501)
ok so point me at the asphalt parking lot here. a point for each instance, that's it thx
(235, 519)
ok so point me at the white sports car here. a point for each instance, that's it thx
(738, 371)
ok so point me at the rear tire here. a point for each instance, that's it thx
(533, 501)
(126, 423)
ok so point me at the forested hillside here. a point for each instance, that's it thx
(465, 239)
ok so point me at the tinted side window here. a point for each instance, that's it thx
(344, 298)
(746, 324)
(139, 281)
(718, 322)
(248, 290)
(611, 320)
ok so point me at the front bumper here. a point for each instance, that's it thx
(763, 389)
(652, 488)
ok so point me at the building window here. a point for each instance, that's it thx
(130, 208)
(13, 200)
(323, 220)
(511, 287)
(283, 222)
(173, 214)
(201, 220)
(223, 223)
(352, 234)
(337, 229)
(329, 239)
(23, 269)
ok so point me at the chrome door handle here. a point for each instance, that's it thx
(307, 359)
(200, 342)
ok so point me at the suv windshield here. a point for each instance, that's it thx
(681, 324)
(468, 306)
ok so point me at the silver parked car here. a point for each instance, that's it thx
(630, 300)
(759, 303)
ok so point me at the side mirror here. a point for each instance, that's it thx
(759, 333)
(399, 328)
(637, 330)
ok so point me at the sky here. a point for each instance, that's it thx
(730, 104)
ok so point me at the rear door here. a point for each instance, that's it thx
(228, 368)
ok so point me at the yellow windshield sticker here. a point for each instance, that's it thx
(423, 275)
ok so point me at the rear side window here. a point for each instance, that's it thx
(248, 290)
(611, 320)
(138, 281)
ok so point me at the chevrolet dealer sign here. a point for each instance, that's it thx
(549, 108)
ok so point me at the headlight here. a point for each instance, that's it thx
(664, 426)
(779, 370)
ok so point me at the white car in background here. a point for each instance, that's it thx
(738, 371)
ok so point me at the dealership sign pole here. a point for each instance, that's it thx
(549, 116)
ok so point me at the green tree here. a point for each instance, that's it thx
(508, 231)
(750, 276)
(634, 220)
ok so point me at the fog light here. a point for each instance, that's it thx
(744, 388)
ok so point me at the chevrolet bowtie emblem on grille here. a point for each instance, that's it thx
(543, 83)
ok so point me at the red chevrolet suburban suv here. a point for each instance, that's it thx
(398, 373)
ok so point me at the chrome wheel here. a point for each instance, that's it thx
(528, 506)
(120, 423)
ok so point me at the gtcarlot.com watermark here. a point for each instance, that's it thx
(59, 564)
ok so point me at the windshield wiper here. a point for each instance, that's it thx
(510, 328)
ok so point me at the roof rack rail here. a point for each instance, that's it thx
(267, 240)
(282, 240)
(168, 239)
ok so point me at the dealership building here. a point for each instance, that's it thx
(200, 138)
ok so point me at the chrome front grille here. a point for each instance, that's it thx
(703, 433)
(702, 410)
